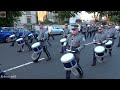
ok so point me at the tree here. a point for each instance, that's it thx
(65, 15)
(99, 13)
(115, 18)
(10, 18)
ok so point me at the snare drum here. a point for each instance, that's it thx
(37, 47)
(108, 45)
(20, 41)
(12, 37)
(68, 61)
(30, 36)
(63, 40)
(99, 51)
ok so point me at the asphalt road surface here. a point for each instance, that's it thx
(9, 57)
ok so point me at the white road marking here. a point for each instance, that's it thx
(22, 65)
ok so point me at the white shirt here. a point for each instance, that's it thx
(50, 29)
(117, 27)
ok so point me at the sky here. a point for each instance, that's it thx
(83, 15)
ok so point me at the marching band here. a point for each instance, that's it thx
(71, 44)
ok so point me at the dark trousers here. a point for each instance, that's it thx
(50, 35)
(93, 33)
(35, 36)
(48, 42)
(84, 33)
(27, 44)
(46, 52)
(79, 69)
(94, 58)
(89, 34)
(31, 40)
(63, 48)
(119, 42)
(68, 72)
(13, 43)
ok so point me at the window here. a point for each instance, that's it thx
(28, 20)
(28, 12)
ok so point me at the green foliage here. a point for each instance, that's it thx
(65, 14)
(115, 18)
(10, 18)
(46, 21)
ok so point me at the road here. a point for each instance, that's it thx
(9, 57)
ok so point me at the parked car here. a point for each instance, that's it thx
(56, 29)
(37, 29)
(5, 32)
(20, 31)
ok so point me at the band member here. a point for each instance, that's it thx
(111, 33)
(50, 34)
(118, 30)
(99, 37)
(25, 37)
(16, 35)
(43, 37)
(75, 42)
(84, 31)
(65, 33)
(47, 32)
(89, 29)
(34, 33)
(94, 29)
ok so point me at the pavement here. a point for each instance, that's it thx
(9, 57)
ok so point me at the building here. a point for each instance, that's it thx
(52, 17)
(28, 17)
(42, 15)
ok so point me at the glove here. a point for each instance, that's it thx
(76, 50)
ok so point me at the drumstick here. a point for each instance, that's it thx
(69, 50)
(89, 43)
